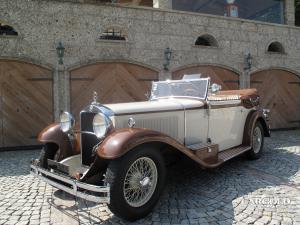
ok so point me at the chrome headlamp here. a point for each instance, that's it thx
(266, 113)
(101, 125)
(66, 121)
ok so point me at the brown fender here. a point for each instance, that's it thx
(253, 117)
(54, 134)
(121, 141)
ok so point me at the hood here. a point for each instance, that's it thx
(161, 105)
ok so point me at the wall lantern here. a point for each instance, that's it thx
(60, 50)
(168, 55)
(248, 62)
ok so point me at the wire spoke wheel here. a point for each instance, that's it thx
(257, 139)
(136, 181)
(140, 182)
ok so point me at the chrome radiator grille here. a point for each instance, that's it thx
(88, 141)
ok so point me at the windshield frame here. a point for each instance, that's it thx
(152, 97)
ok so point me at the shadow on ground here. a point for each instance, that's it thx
(16, 163)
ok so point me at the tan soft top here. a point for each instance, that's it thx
(243, 93)
(249, 97)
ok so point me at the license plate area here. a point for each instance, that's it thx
(56, 166)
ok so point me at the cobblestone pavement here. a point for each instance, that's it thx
(265, 191)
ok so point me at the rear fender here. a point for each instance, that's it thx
(67, 146)
(253, 117)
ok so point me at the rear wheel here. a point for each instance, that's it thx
(257, 141)
(136, 181)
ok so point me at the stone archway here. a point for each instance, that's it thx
(280, 92)
(26, 102)
(228, 79)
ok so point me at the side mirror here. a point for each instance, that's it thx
(215, 88)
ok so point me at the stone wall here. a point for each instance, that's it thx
(42, 24)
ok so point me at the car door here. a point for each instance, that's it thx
(226, 124)
(196, 126)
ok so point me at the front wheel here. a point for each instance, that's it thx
(257, 141)
(136, 181)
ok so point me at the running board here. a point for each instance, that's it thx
(233, 152)
(207, 153)
(210, 157)
(199, 146)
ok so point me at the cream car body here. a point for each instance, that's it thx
(186, 120)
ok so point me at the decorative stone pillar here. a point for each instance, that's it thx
(289, 12)
(245, 79)
(162, 4)
(165, 75)
(56, 100)
(65, 94)
(61, 91)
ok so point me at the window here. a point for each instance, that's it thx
(267, 10)
(206, 40)
(113, 34)
(7, 30)
(276, 47)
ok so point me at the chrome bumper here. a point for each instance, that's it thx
(75, 188)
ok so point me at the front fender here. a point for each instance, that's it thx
(121, 141)
(54, 134)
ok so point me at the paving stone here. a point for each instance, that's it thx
(274, 222)
(34, 222)
(22, 223)
(14, 218)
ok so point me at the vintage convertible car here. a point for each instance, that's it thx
(117, 154)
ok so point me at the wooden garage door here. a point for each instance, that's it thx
(25, 102)
(280, 92)
(114, 83)
(228, 79)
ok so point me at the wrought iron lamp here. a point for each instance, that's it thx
(60, 50)
(248, 61)
(168, 55)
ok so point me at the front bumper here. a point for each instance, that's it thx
(98, 194)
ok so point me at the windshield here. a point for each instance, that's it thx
(196, 88)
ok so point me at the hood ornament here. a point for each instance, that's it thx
(95, 98)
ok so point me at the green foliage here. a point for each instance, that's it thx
(297, 12)
(297, 5)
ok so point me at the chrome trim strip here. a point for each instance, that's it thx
(148, 112)
(84, 132)
(39, 172)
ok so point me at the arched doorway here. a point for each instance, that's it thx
(280, 92)
(228, 79)
(114, 82)
(26, 102)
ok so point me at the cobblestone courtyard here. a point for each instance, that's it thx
(265, 191)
